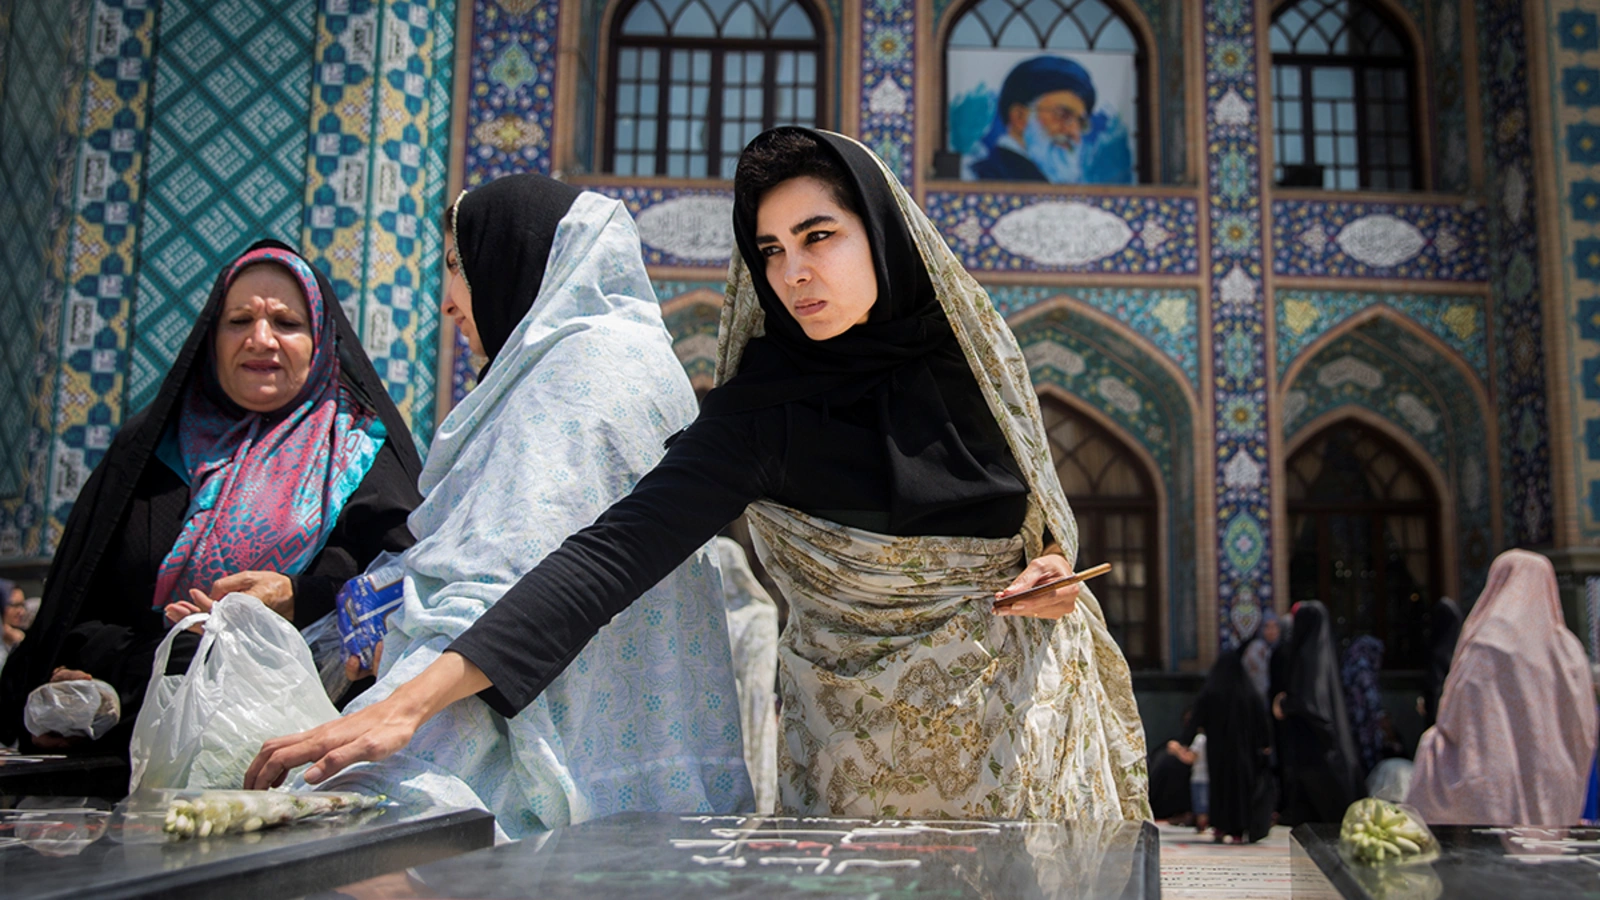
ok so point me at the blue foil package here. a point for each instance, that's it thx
(364, 604)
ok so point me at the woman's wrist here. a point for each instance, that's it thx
(447, 679)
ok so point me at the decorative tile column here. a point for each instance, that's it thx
(510, 109)
(375, 180)
(1514, 275)
(1239, 318)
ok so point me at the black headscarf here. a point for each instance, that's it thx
(941, 443)
(1316, 698)
(100, 508)
(1238, 735)
(1444, 628)
(503, 233)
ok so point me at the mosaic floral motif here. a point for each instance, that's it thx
(1167, 318)
(1241, 416)
(888, 83)
(1177, 219)
(1379, 240)
(511, 101)
(1458, 321)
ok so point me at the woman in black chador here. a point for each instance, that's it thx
(272, 462)
(1238, 750)
(1321, 766)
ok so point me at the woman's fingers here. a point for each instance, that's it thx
(1054, 605)
(366, 736)
(202, 602)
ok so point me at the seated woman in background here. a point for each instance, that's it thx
(272, 462)
(1516, 731)
(876, 416)
(581, 391)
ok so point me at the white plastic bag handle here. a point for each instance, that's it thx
(159, 668)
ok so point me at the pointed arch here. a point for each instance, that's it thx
(692, 318)
(1413, 328)
(1161, 491)
(1446, 531)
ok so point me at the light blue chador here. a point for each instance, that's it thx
(572, 413)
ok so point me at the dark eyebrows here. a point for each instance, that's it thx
(814, 221)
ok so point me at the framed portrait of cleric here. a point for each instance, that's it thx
(1057, 117)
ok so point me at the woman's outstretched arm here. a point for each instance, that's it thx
(508, 657)
(371, 734)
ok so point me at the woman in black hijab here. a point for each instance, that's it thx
(882, 432)
(1444, 628)
(133, 533)
(1321, 766)
(1238, 730)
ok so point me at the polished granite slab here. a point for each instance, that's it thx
(662, 855)
(83, 852)
(83, 776)
(1474, 863)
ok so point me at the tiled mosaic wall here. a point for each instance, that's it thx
(227, 139)
(191, 129)
(41, 57)
(1572, 48)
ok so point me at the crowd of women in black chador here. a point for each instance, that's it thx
(271, 461)
(1285, 739)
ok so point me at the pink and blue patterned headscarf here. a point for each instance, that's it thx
(266, 488)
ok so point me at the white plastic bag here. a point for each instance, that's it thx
(252, 679)
(83, 708)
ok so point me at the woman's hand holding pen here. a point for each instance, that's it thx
(1054, 605)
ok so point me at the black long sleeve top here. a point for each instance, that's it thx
(711, 472)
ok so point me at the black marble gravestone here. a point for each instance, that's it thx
(1473, 864)
(65, 853)
(661, 855)
(21, 776)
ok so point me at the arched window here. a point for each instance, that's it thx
(1115, 502)
(992, 59)
(1344, 105)
(1364, 526)
(694, 80)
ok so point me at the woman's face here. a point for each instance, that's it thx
(16, 608)
(818, 259)
(264, 344)
(457, 299)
